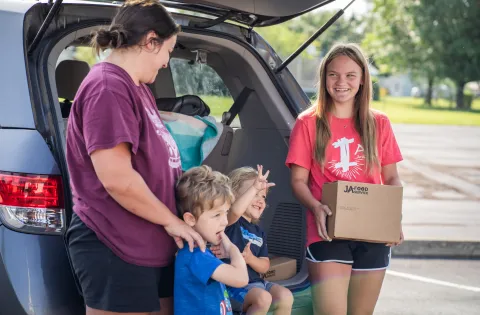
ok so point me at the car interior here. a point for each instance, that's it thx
(257, 135)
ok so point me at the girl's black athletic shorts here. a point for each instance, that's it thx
(360, 255)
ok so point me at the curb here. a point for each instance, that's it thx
(437, 249)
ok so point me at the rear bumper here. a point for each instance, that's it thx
(35, 276)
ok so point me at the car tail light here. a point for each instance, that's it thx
(32, 203)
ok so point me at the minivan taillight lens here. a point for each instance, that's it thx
(32, 203)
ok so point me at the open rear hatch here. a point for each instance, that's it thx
(252, 13)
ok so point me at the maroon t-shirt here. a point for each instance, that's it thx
(110, 109)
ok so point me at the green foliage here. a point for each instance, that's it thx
(407, 110)
(428, 38)
(86, 54)
(376, 89)
(468, 100)
(395, 43)
(345, 29)
(218, 104)
(452, 30)
(285, 38)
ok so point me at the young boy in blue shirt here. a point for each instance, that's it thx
(203, 200)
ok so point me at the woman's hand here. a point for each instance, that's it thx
(181, 231)
(400, 241)
(261, 181)
(321, 212)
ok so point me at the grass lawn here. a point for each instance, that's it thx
(399, 109)
(218, 104)
(412, 111)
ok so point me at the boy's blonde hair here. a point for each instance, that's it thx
(199, 188)
(239, 176)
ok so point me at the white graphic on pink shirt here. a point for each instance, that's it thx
(346, 168)
(174, 155)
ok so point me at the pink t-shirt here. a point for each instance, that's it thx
(344, 158)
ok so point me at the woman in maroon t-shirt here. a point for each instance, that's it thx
(123, 166)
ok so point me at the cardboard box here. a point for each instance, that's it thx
(365, 212)
(281, 268)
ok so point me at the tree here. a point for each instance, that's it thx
(396, 45)
(282, 38)
(289, 36)
(285, 38)
(451, 29)
(345, 29)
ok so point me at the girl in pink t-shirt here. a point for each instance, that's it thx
(341, 138)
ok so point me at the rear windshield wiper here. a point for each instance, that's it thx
(312, 38)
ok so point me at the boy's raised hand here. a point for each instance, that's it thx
(261, 181)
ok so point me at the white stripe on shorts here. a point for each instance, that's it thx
(312, 259)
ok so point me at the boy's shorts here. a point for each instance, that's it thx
(360, 255)
(237, 295)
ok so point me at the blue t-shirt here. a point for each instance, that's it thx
(194, 291)
(242, 232)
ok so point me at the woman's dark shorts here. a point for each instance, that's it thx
(107, 282)
(360, 255)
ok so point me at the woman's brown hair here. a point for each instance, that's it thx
(363, 116)
(134, 20)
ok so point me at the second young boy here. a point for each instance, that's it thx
(250, 186)
(203, 200)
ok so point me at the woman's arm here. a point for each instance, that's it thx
(299, 182)
(114, 170)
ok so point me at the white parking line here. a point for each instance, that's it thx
(433, 281)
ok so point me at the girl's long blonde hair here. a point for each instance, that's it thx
(363, 116)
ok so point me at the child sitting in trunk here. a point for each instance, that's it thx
(250, 189)
(203, 199)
